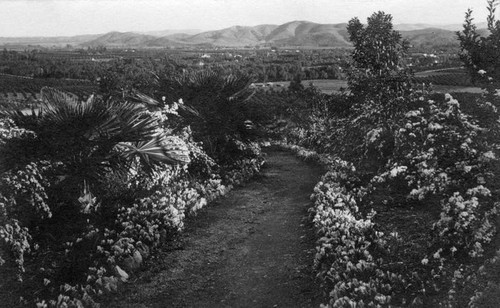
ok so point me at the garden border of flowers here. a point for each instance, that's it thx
(143, 224)
(342, 258)
(142, 228)
(348, 259)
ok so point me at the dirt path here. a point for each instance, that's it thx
(253, 248)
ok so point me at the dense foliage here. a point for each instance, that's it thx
(406, 214)
(480, 55)
(379, 52)
(218, 109)
(407, 211)
(90, 188)
(263, 65)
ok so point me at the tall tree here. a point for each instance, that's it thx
(481, 55)
(381, 91)
(378, 66)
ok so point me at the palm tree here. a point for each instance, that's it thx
(89, 139)
(216, 106)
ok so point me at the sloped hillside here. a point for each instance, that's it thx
(431, 37)
(120, 39)
(295, 33)
(303, 33)
(233, 36)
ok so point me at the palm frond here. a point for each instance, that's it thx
(52, 98)
(190, 111)
(175, 148)
(162, 149)
(237, 87)
(143, 98)
(126, 121)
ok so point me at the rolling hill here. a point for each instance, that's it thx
(48, 41)
(233, 36)
(295, 33)
(427, 38)
(451, 27)
(120, 39)
(304, 33)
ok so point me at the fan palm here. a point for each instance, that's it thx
(85, 136)
(219, 103)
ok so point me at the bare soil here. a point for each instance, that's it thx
(254, 248)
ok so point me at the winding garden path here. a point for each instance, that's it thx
(253, 248)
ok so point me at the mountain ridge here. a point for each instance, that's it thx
(294, 33)
(298, 33)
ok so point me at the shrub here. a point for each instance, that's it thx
(428, 168)
(89, 189)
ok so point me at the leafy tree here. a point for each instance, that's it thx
(381, 92)
(378, 67)
(121, 77)
(296, 84)
(481, 55)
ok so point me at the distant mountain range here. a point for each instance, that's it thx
(295, 33)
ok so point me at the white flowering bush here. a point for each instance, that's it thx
(425, 165)
(486, 283)
(429, 170)
(355, 261)
(433, 158)
(440, 157)
(143, 227)
(84, 234)
(23, 200)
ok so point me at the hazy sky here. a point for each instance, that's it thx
(70, 17)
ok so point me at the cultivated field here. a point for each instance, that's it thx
(330, 86)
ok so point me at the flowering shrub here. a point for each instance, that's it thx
(432, 157)
(353, 258)
(142, 227)
(426, 167)
(440, 153)
(23, 200)
(440, 159)
(83, 236)
(486, 282)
